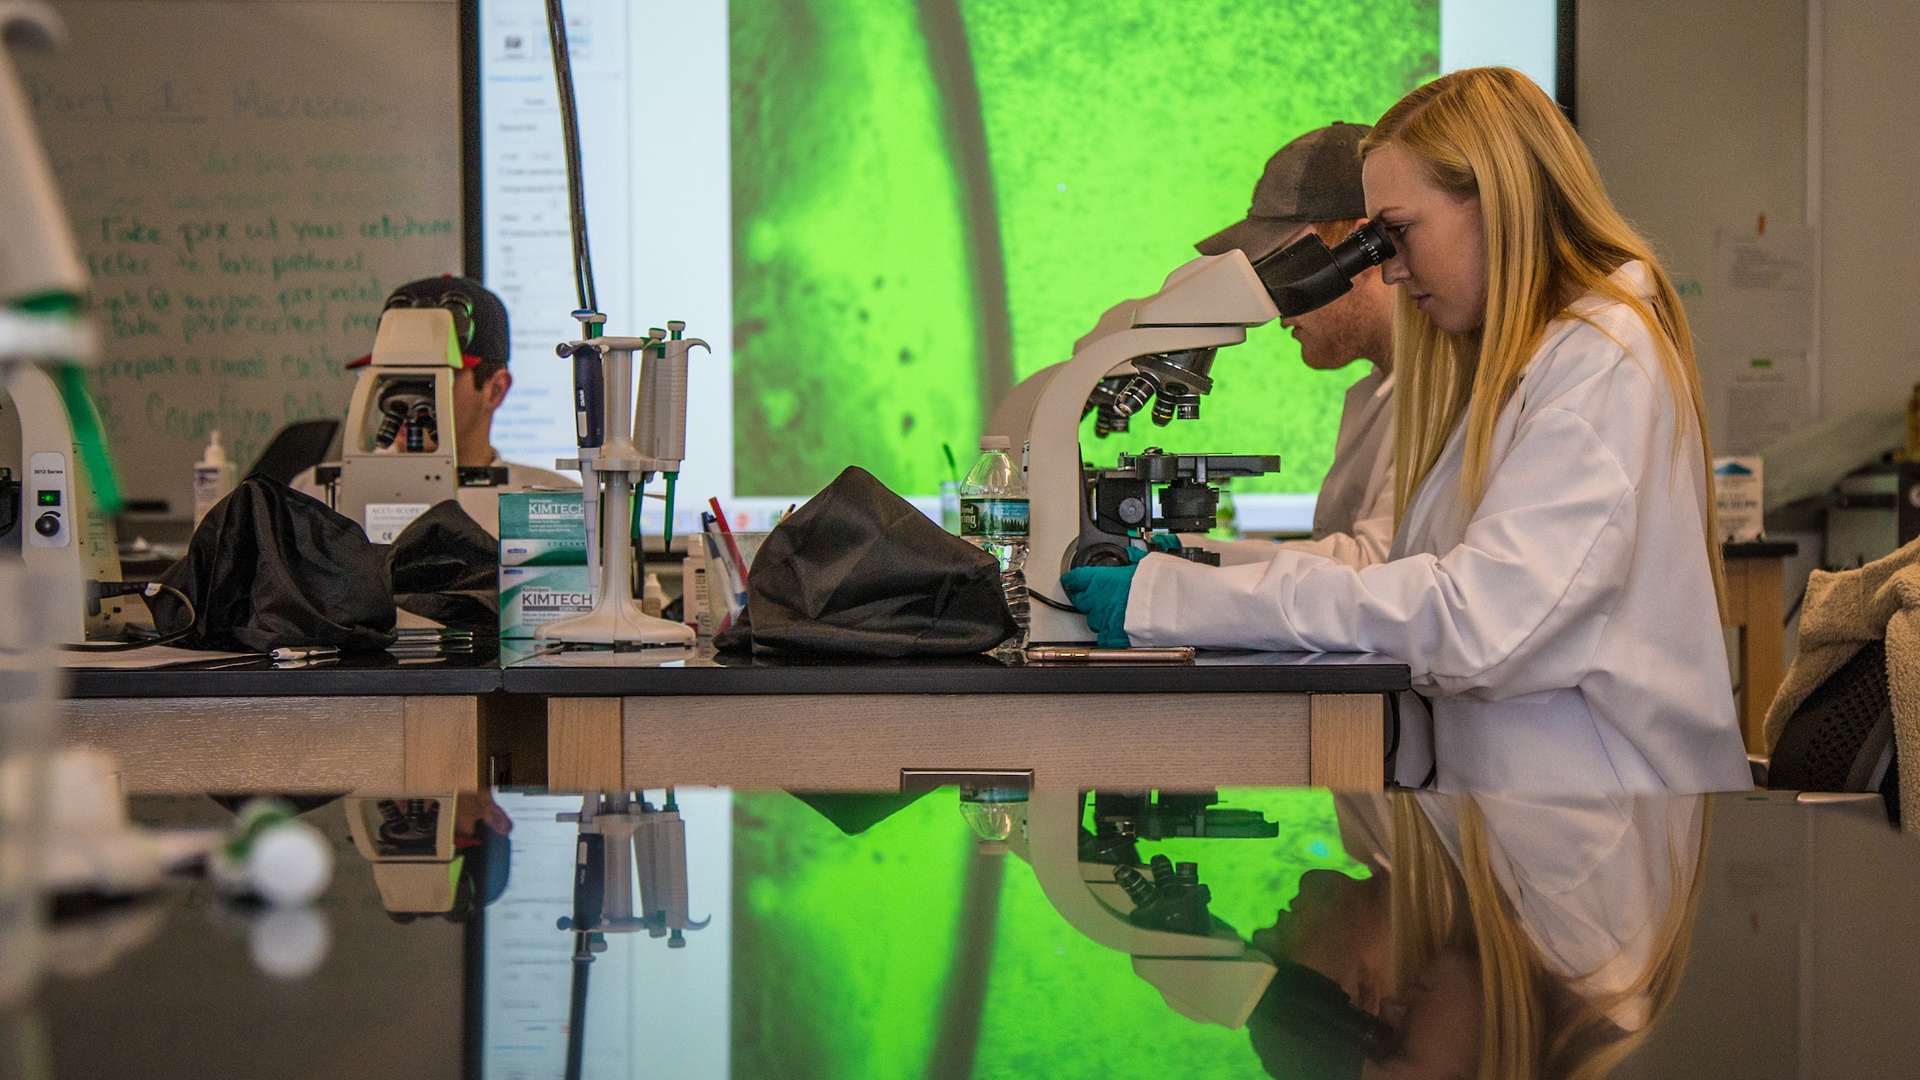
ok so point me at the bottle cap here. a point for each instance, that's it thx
(995, 442)
(216, 453)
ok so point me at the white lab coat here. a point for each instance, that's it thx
(1565, 630)
(482, 504)
(1592, 879)
(1353, 518)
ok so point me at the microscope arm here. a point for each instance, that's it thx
(1213, 980)
(1054, 488)
(1053, 848)
(1011, 416)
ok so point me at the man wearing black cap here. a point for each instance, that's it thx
(1313, 185)
(480, 325)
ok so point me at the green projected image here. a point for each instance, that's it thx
(899, 951)
(934, 200)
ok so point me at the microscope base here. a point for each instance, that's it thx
(1049, 627)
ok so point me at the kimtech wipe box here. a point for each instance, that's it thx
(542, 528)
(543, 560)
(532, 596)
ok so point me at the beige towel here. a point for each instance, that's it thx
(1842, 612)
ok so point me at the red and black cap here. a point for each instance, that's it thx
(479, 318)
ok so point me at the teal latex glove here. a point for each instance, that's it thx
(1100, 592)
(1160, 542)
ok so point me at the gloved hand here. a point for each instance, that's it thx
(1101, 593)
(1158, 542)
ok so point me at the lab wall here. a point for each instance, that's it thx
(1869, 182)
(246, 182)
(1699, 117)
(934, 200)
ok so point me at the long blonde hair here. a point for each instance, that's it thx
(1528, 1030)
(1552, 236)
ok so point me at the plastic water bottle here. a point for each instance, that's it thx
(993, 516)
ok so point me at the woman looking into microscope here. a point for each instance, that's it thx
(1555, 577)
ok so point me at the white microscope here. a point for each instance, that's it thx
(1208, 303)
(56, 524)
(1160, 347)
(1204, 971)
(397, 452)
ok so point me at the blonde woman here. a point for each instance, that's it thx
(1554, 581)
(1536, 940)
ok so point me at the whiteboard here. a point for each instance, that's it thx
(247, 180)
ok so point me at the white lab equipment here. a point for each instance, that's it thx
(274, 856)
(633, 842)
(409, 842)
(629, 441)
(397, 452)
(1207, 303)
(41, 285)
(1214, 978)
(61, 532)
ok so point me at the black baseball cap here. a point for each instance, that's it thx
(479, 318)
(1316, 177)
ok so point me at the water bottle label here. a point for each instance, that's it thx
(993, 517)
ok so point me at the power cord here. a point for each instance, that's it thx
(149, 590)
(570, 141)
(1052, 603)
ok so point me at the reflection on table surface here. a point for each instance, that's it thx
(526, 653)
(1001, 932)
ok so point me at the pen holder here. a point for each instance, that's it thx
(726, 590)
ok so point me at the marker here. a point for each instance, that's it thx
(310, 653)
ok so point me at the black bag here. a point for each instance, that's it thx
(270, 567)
(859, 571)
(446, 567)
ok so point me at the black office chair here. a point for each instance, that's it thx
(1841, 738)
(296, 448)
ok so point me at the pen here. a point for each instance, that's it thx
(1182, 654)
(726, 532)
(308, 653)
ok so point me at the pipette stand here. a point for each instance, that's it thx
(643, 846)
(616, 618)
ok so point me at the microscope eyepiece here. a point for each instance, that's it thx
(1307, 274)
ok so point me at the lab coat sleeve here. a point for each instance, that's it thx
(1517, 607)
(1233, 552)
(1368, 543)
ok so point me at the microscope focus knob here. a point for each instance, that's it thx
(47, 524)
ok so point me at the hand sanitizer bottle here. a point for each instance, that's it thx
(212, 478)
